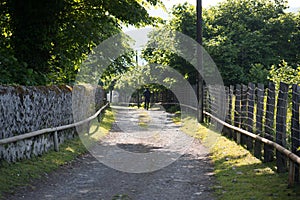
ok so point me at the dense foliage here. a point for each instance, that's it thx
(184, 21)
(284, 73)
(244, 37)
(44, 42)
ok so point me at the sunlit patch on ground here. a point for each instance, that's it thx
(144, 119)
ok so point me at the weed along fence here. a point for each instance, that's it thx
(264, 120)
(37, 119)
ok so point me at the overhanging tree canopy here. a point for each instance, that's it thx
(45, 41)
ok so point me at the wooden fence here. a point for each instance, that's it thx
(265, 121)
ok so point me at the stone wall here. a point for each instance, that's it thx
(27, 109)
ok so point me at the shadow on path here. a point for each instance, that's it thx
(188, 177)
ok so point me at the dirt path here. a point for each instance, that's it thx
(188, 177)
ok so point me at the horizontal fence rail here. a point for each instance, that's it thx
(280, 148)
(263, 120)
(51, 130)
(257, 116)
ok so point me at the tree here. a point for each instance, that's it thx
(49, 39)
(284, 73)
(243, 34)
(242, 37)
(184, 21)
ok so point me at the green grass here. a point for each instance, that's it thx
(239, 175)
(144, 119)
(242, 176)
(22, 173)
(96, 132)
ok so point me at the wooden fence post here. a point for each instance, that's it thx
(291, 179)
(88, 125)
(244, 113)
(237, 112)
(209, 103)
(217, 105)
(259, 119)
(213, 103)
(226, 131)
(99, 117)
(281, 160)
(269, 123)
(55, 140)
(206, 104)
(295, 132)
(222, 107)
(230, 121)
(250, 113)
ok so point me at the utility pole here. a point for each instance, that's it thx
(200, 91)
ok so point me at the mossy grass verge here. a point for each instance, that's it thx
(239, 175)
(13, 175)
(144, 119)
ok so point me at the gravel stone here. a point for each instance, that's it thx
(189, 177)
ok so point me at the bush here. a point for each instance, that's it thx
(284, 73)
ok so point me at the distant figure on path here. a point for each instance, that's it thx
(147, 95)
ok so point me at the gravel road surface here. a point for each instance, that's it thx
(189, 176)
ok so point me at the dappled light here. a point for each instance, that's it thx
(150, 99)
